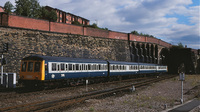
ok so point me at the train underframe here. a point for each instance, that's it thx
(81, 81)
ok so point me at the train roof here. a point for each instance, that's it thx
(122, 62)
(147, 64)
(63, 59)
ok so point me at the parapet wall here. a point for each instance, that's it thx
(43, 25)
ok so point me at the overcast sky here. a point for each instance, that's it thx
(173, 21)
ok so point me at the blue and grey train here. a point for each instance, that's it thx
(40, 69)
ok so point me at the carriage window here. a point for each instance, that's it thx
(23, 69)
(30, 66)
(53, 66)
(66, 67)
(77, 66)
(74, 66)
(99, 67)
(89, 67)
(37, 67)
(58, 65)
(62, 66)
(94, 67)
(70, 67)
(86, 67)
(83, 66)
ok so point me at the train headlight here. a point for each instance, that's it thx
(52, 76)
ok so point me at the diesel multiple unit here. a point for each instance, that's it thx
(39, 69)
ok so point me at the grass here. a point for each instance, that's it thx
(92, 109)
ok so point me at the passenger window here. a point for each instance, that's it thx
(66, 67)
(77, 66)
(62, 66)
(89, 67)
(53, 66)
(37, 67)
(70, 66)
(86, 67)
(30, 66)
(58, 65)
(73, 67)
(23, 69)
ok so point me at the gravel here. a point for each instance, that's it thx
(155, 98)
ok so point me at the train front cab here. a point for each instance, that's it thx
(32, 71)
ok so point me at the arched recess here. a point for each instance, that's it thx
(134, 53)
(152, 54)
(164, 56)
(139, 53)
(144, 53)
(148, 53)
(156, 54)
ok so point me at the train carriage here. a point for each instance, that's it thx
(45, 69)
(123, 68)
(147, 68)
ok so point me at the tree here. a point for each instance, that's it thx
(8, 7)
(29, 8)
(52, 16)
(135, 32)
(76, 23)
(180, 45)
(23, 7)
(48, 15)
(35, 9)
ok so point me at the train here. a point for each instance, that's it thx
(47, 70)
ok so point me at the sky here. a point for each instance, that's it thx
(174, 21)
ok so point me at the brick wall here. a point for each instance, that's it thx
(118, 35)
(137, 38)
(96, 32)
(23, 22)
(66, 28)
(153, 40)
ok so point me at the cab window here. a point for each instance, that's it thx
(37, 67)
(30, 66)
(23, 69)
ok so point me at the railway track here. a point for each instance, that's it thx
(23, 92)
(57, 104)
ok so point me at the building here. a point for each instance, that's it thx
(1, 9)
(65, 17)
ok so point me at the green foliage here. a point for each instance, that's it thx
(23, 7)
(48, 15)
(35, 9)
(94, 25)
(179, 46)
(32, 8)
(8, 7)
(141, 34)
(135, 32)
(52, 16)
(76, 23)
